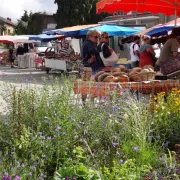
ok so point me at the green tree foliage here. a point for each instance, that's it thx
(34, 24)
(76, 12)
(21, 27)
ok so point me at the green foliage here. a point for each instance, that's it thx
(29, 24)
(76, 12)
(49, 135)
(22, 26)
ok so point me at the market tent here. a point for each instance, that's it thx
(12, 39)
(112, 30)
(144, 32)
(167, 7)
(163, 29)
(70, 31)
(43, 37)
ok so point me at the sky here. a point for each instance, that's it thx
(14, 9)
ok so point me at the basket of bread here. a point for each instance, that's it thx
(121, 74)
(142, 74)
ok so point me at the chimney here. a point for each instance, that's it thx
(9, 19)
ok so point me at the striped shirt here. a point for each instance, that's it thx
(64, 52)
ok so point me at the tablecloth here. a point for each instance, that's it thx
(27, 60)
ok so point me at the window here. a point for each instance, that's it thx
(51, 26)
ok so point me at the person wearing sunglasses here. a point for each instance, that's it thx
(90, 55)
(107, 54)
(104, 45)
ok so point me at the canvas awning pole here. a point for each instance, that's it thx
(175, 11)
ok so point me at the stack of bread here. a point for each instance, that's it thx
(121, 74)
(142, 74)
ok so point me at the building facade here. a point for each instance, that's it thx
(48, 22)
(135, 19)
(6, 26)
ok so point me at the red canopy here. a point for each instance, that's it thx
(168, 7)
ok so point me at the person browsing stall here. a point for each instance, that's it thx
(134, 51)
(65, 49)
(147, 54)
(170, 48)
(104, 46)
(90, 55)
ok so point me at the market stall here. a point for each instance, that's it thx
(144, 81)
(27, 60)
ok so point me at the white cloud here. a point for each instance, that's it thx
(15, 8)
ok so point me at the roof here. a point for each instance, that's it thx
(7, 21)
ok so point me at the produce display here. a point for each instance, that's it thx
(121, 74)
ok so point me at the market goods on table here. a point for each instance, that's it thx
(121, 74)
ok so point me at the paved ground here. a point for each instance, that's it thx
(19, 78)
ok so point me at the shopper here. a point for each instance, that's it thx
(147, 54)
(104, 47)
(11, 57)
(134, 51)
(90, 55)
(170, 48)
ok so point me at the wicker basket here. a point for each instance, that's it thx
(147, 76)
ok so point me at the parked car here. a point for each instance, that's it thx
(41, 47)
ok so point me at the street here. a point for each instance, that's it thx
(21, 78)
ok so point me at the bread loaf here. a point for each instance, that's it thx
(123, 78)
(97, 75)
(102, 76)
(135, 76)
(116, 74)
(116, 79)
(109, 79)
(116, 70)
(136, 69)
(122, 68)
(148, 66)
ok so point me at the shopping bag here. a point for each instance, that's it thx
(111, 60)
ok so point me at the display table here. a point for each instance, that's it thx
(59, 64)
(27, 60)
(106, 89)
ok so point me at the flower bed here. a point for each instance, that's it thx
(48, 135)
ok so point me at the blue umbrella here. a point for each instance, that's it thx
(112, 30)
(160, 31)
(163, 29)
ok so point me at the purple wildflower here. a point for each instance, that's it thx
(121, 161)
(178, 171)
(7, 178)
(117, 153)
(115, 144)
(58, 128)
(6, 123)
(16, 177)
(136, 149)
(67, 178)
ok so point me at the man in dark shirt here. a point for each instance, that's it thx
(20, 50)
(90, 55)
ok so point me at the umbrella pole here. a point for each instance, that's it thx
(175, 12)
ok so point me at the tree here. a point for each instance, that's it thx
(21, 27)
(76, 12)
(34, 24)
